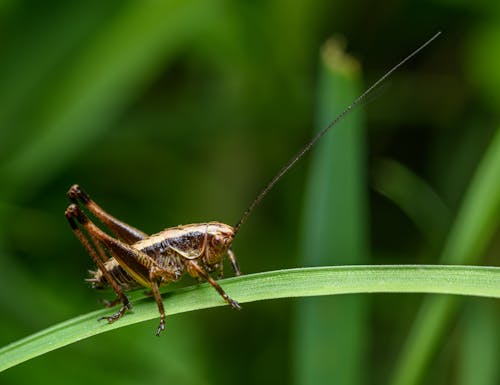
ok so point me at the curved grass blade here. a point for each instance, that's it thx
(462, 280)
(414, 197)
(479, 351)
(472, 230)
(334, 231)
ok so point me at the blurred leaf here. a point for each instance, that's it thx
(335, 216)
(484, 60)
(415, 198)
(463, 280)
(35, 55)
(472, 230)
(6, 7)
(102, 78)
(480, 354)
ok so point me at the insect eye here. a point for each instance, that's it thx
(218, 242)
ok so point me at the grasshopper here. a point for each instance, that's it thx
(133, 259)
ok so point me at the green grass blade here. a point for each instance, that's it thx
(334, 232)
(414, 197)
(479, 351)
(472, 231)
(463, 280)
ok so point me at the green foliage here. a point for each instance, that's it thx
(463, 280)
(339, 159)
(469, 236)
(173, 112)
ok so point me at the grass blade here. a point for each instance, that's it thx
(414, 197)
(334, 232)
(463, 280)
(472, 231)
(479, 353)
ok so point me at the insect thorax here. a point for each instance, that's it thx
(172, 248)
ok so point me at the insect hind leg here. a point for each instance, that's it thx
(122, 230)
(141, 266)
(73, 215)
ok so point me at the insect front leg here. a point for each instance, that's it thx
(234, 262)
(196, 270)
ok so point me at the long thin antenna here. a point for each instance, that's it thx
(339, 117)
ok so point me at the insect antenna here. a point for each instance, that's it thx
(313, 141)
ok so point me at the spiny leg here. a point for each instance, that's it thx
(234, 262)
(139, 265)
(134, 261)
(196, 270)
(73, 212)
(156, 276)
(105, 302)
(122, 230)
(159, 301)
(104, 257)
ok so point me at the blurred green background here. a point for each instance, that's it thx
(172, 112)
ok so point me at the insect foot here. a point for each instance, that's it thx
(234, 304)
(161, 327)
(117, 315)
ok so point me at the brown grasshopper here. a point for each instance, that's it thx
(134, 259)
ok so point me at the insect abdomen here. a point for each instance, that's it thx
(120, 275)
